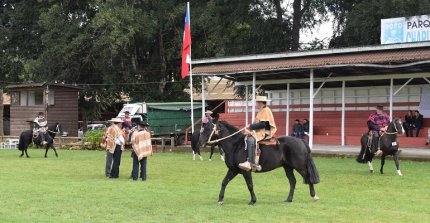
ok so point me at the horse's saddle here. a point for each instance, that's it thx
(269, 142)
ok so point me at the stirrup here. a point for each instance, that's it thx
(245, 166)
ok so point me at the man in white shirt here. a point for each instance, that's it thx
(115, 145)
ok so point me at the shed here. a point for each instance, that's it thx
(59, 102)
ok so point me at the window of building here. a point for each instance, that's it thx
(27, 98)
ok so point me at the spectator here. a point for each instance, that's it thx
(408, 124)
(418, 122)
(115, 145)
(298, 129)
(306, 126)
(142, 148)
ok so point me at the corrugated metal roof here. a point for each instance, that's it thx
(395, 56)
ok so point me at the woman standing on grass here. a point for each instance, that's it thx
(115, 145)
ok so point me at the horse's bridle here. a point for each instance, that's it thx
(56, 129)
(216, 131)
(395, 127)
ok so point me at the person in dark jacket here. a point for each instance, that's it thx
(408, 124)
(418, 122)
(298, 129)
(305, 126)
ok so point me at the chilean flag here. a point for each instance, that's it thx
(186, 45)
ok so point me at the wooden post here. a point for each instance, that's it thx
(172, 143)
(163, 144)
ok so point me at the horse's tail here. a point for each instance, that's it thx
(313, 176)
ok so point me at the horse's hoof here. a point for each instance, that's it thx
(251, 203)
(220, 203)
(28, 157)
(399, 173)
(46, 157)
(315, 198)
(371, 171)
(56, 155)
(210, 159)
(288, 201)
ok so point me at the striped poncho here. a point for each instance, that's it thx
(141, 143)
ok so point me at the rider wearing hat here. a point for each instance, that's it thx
(263, 128)
(40, 124)
(378, 124)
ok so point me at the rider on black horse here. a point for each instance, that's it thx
(378, 124)
(40, 127)
(263, 128)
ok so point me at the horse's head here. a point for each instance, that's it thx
(208, 132)
(57, 128)
(396, 126)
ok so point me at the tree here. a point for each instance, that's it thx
(363, 23)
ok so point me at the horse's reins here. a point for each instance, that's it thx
(223, 138)
(392, 133)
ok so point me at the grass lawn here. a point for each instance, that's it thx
(72, 188)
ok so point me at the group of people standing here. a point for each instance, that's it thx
(413, 120)
(120, 133)
(300, 130)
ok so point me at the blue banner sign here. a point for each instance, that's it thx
(405, 29)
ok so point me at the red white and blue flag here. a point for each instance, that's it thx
(186, 45)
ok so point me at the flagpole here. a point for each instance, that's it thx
(191, 80)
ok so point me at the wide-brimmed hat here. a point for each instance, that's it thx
(380, 107)
(143, 123)
(126, 112)
(208, 112)
(116, 120)
(261, 98)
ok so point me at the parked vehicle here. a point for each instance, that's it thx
(165, 119)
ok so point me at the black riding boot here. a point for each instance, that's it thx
(375, 142)
(250, 147)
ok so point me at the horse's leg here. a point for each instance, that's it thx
(194, 155)
(312, 192)
(292, 179)
(55, 151)
(228, 177)
(22, 153)
(46, 151)
(382, 163)
(212, 152)
(248, 178)
(220, 152)
(26, 154)
(369, 163)
(396, 161)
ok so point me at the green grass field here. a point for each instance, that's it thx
(72, 188)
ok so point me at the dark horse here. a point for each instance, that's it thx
(387, 143)
(291, 154)
(195, 146)
(26, 138)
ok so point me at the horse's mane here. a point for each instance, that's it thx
(229, 126)
(232, 129)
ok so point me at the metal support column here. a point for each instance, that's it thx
(391, 98)
(246, 105)
(343, 115)
(253, 96)
(287, 119)
(203, 97)
(311, 109)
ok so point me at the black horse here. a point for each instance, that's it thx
(387, 143)
(195, 146)
(291, 154)
(27, 137)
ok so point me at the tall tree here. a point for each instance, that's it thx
(363, 23)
